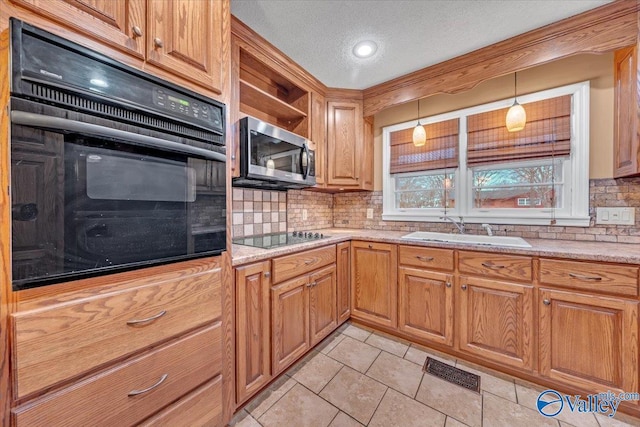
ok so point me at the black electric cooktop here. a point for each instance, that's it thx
(274, 240)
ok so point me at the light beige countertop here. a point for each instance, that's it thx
(570, 249)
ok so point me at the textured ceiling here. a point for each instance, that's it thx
(320, 34)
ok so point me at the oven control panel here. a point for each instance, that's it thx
(181, 105)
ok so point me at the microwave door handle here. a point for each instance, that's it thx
(305, 153)
(66, 125)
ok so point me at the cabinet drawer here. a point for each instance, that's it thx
(415, 256)
(615, 279)
(495, 265)
(294, 265)
(107, 399)
(56, 343)
(202, 407)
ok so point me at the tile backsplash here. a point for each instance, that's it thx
(258, 212)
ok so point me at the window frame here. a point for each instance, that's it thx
(575, 170)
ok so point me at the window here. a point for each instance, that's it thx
(472, 167)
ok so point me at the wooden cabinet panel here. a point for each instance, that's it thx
(626, 147)
(322, 304)
(318, 135)
(366, 165)
(343, 262)
(426, 305)
(105, 399)
(97, 329)
(344, 143)
(500, 266)
(289, 322)
(431, 258)
(118, 23)
(590, 276)
(202, 407)
(185, 38)
(253, 340)
(289, 266)
(588, 341)
(496, 321)
(374, 290)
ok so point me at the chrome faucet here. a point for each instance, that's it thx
(459, 224)
(488, 228)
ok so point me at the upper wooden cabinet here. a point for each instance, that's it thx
(319, 135)
(182, 37)
(626, 107)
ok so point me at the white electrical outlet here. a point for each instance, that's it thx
(304, 214)
(616, 216)
(370, 213)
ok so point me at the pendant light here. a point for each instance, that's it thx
(419, 134)
(516, 116)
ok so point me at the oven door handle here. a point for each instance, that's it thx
(66, 125)
(305, 161)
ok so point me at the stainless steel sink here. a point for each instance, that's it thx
(472, 239)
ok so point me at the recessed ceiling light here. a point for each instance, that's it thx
(365, 49)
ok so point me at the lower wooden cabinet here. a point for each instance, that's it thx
(426, 305)
(253, 337)
(343, 278)
(323, 317)
(588, 341)
(374, 284)
(496, 321)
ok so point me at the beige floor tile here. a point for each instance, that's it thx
(344, 420)
(265, 400)
(387, 344)
(357, 332)
(397, 373)
(329, 343)
(355, 354)
(399, 410)
(493, 384)
(499, 412)
(528, 397)
(248, 421)
(300, 363)
(301, 407)
(620, 420)
(452, 422)
(354, 393)
(418, 354)
(462, 404)
(317, 372)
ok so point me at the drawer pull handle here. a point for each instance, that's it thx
(148, 319)
(309, 261)
(587, 278)
(136, 31)
(138, 392)
(425, 258)
(546, 302)
(464, 287)
(493, 266)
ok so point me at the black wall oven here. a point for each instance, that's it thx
(111, 169)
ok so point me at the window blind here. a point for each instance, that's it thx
(547, 133)
(440, 151)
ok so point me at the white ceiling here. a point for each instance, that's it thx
(411, 34)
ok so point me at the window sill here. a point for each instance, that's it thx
(541, 221)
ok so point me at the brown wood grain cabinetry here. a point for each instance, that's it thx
(344, 143)
(289, 266)
(626, 150)
(374, 283)
(510, 267)
(428, 258)
(496, 321)
(319, 135)
(323, 317)
(132, 390)
(343, 278)
(253, 339)
(587, 341)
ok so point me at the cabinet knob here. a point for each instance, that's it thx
(370, 246)
(448, 284)
(463, 287)
(267, 274)
(158, 42)
(546, 302)
(136, 31)
(312, 284)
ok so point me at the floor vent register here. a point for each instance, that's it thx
(452, 374)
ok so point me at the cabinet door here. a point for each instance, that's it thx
(253, 358)
(374, 283)
(119, 23)
(318, 135)
(290, 322)
(626, 147)
(589, 342)
(344, 143)
(426, 305)
(322, 304)
(344, 281)
(185, 38)
(496, 321)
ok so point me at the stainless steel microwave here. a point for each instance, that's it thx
(273, 158)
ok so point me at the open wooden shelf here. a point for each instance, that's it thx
(252, 95)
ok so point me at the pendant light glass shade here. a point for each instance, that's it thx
(516, 116)
(419, 135)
